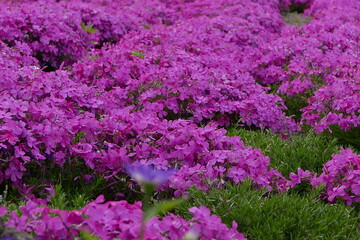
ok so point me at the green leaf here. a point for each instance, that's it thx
(78, 136)
(162, 207)
(89, 28)
(84, 235)
(93, 58)
(149, 191)
(139, 54)
(146, 26)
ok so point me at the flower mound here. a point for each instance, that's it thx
(120, 219)
(341, 177)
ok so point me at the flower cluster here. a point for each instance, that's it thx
(318, 60)
(53, 34)
(61, 32)
(117, 220)
(341, 177)
(158, 71)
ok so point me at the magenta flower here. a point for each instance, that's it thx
(149, 174)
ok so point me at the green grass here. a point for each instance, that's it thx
(305, 150)
(70, 194)
(350, 137)
(66, 200)
(264, 215)
(297, 19)
(295, 103)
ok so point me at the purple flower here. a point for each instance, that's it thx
(149, 174)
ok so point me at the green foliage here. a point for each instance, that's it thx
(294, 104)
(305, 150)
(89, 28)
(265, 215)
(87, 236)
(78, 195)
(67, 200)
(147, 27)
(72, 191)
(139, 54)
(59, 199)
(350, 137)
(296, 19)
(80, 200)
(161, 208)
(78, 137)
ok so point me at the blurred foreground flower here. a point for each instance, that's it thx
(149, 178)
(7, 233)
(148, 174)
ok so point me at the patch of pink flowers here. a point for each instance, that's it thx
(120, 219)
(341, 177)
(319, 60)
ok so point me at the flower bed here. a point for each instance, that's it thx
(108, 84)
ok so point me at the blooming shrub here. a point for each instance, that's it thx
(53, 34)
(120, 219)
(61, 31)
(334, 104)
(150, 72)
(317, 60)
(341, 177)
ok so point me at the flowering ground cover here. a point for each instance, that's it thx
(113, 111)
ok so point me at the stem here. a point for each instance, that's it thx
(148, 191)
(142, 230)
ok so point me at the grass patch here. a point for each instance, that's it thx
(74, 185)
(350, 138)
(305, 150)
(295, 18)
(294, 105)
